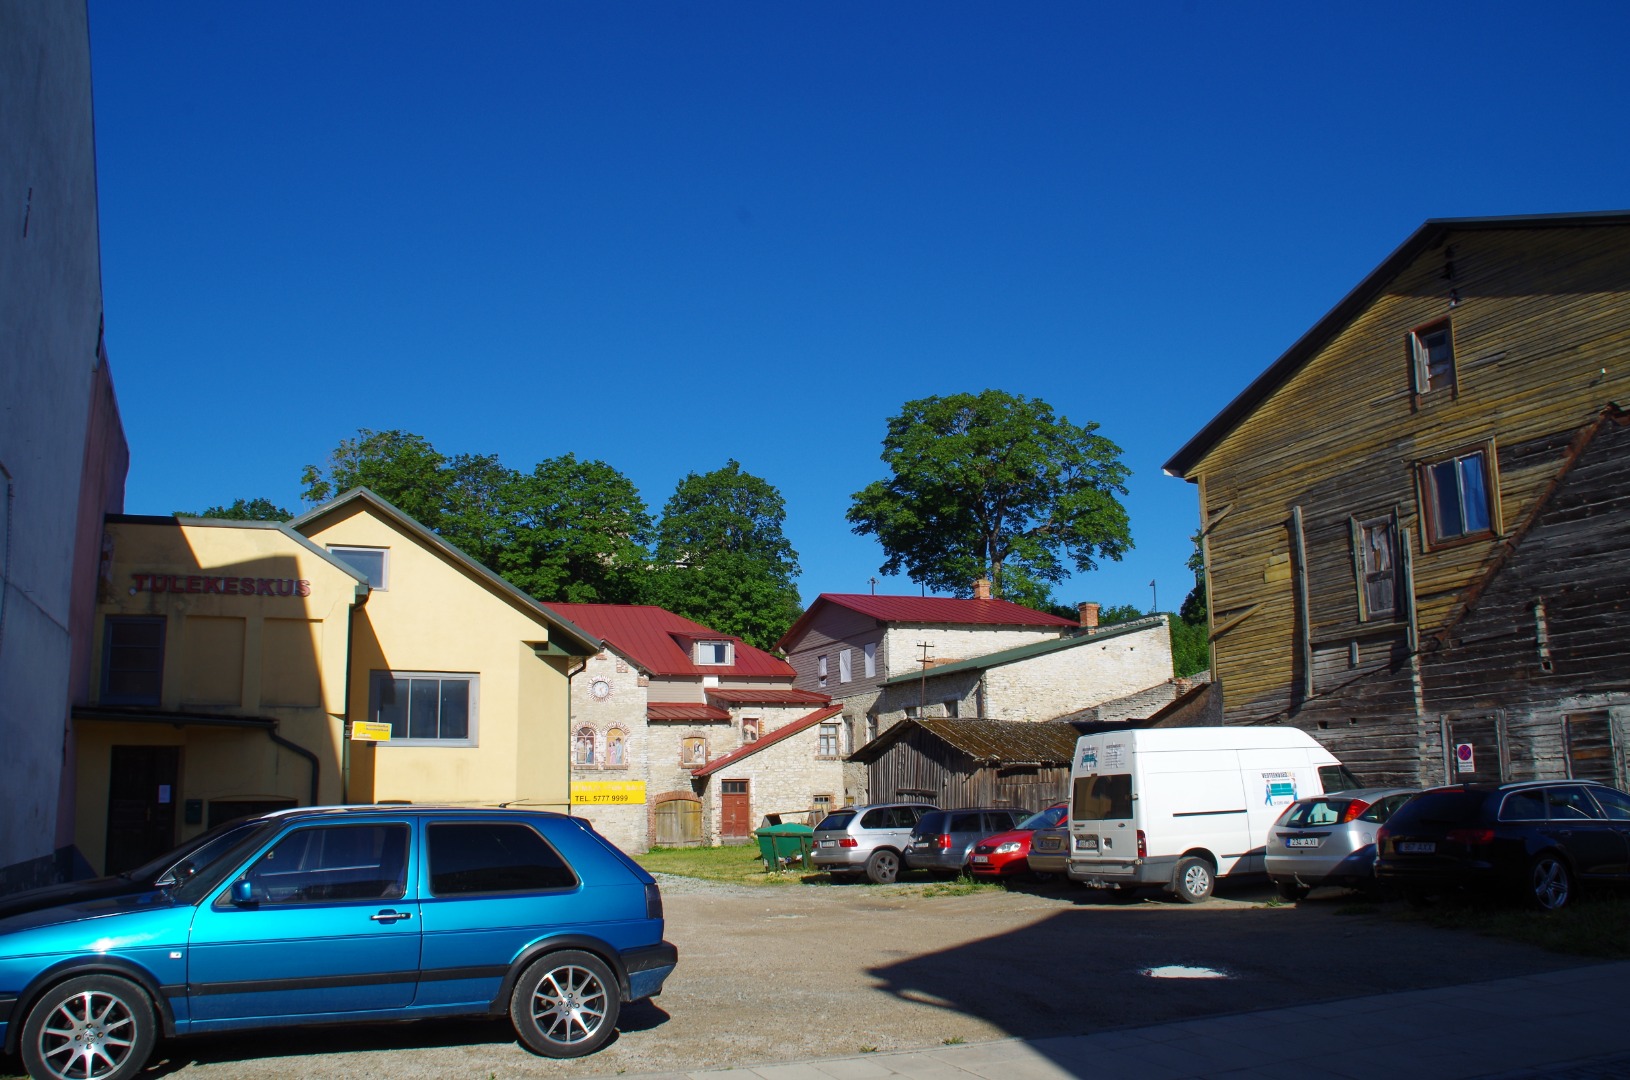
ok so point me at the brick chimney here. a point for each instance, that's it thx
(1089, 615)
(981, 589)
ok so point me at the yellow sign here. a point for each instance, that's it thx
(370, 731)
(608, 792)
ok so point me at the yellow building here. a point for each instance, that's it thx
(240, 665)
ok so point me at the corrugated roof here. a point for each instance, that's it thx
(928, 610)
(783, 732)
(684, 710)
(754, 696)
(1432, 233)
(1025, 652)
(988, 742)
(650, 636)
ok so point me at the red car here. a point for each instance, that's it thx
(1005, 854)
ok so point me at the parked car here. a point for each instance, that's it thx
(1006, 854)
(1537, 841)
(866, 840)
(1050, 849)
(167, 869)
(334, 914)
(943, 840)
(1329, 840)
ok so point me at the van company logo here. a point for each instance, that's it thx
(1089, 757)
(1279, 788)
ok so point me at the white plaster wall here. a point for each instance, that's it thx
(903, 652)
(1057, 683)
(783, 777)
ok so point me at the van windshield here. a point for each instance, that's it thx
(1101, 797)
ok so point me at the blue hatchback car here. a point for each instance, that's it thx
(344, 914)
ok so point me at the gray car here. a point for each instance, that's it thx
(1050, 850)
(866, 840)
(1329, 839)
(943, 840)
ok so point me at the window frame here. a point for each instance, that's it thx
(689, 760)
(751, 729)
(716, 647)
(1432, 536)
(109, 624)
(820, 670)
(473, 737)
(1361, 529)
(870, 649)
(828, 741)
(339, 550)
(616, 737)
(1420, 359)
(585, 738)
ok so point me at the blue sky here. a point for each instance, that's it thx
(669, 234)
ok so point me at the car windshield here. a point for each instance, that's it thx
(226, 855)
(193, 850)
(1045, 819)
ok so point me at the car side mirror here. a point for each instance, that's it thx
(243, 892)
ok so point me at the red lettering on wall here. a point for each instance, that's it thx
(141, 581)
(263, 586)
(231, 585)
(195, 583)
(303, 587)
(213, 584)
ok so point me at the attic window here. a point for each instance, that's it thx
(713, 653)
(1432, 357)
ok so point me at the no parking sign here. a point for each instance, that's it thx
(1465, 760)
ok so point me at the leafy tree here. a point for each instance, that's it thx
(580, 533)
(400, 467)
(1191, 647)
(243, 510)
(1119, 613)
(722, 557)
(994, 485)
(1194, 604)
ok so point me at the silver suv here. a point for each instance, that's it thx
(943, 840)
(866, 839)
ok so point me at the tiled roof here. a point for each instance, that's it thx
(651, 637)
(753, 696)
(782, 732)
(684, 710)
(988, 742)
(928, 610)
(1035, 648)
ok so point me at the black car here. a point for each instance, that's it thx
(168, 869)
(1538, 841)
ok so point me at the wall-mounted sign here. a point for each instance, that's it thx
(225, 586)
(1465, 758)
(370, 731)
(608, 792)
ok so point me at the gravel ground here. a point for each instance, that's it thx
(782, 974)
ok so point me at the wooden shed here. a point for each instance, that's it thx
(970, 762)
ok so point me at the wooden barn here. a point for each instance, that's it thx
(966, 762)
(1416, 522)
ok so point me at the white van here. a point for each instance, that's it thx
(1179, 807)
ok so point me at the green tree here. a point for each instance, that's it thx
(580, 533)
(1194, 604)
(399, 467)
(1119, 613)
(243, 510)
(994, 485)
(1191, 647)
(722, 557)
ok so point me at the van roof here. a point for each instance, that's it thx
(1207, 738)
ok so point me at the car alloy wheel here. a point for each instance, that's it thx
(1549, 883)
(97, 1027)
(565, 1005)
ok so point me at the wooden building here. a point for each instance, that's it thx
(1414, 522)
(966, 762)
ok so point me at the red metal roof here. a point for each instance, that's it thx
(782, 732)
(755, 696)
(652, 637)
(930, 610)
(683, 710)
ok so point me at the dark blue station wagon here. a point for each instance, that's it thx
(344, 914)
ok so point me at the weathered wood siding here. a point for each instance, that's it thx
(920, 763)
(833, 630)
(1541, 329)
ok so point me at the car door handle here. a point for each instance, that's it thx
(391, 916)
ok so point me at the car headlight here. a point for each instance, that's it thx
(1007, 849)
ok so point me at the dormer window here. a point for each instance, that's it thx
(714, 654)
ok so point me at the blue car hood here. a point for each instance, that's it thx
(83, 910)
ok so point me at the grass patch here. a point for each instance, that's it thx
(736, 864)
(962, 886)
(1590, 926)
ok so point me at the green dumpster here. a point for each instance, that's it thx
(781, 845)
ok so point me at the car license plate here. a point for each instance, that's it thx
(1086, 843)
(1302, 841)
(981, 858)
(829, 843)
(1417, 847)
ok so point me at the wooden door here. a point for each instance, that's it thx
(141, 805)
(735, 810)
(679, 823)
(1589, 738)
(1475, 750)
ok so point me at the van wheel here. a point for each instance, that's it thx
(1193, 880)
(96, 1027)
(565, 1005)
(883, 867)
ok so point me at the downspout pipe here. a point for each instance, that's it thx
(363, 592)
(571, 674)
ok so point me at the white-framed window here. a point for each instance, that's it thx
(714, 653)
(846, 666)
(372, 563)
(871, 659)
(820, 670)
(1432, 355)
(583, 748)
(426, 708)
(1458, 492)
(828, 745)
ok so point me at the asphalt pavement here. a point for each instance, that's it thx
(1557, 1025)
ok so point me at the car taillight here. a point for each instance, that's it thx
(1354, 808)
(1477, 837)
(1380, 835)
(848, 841)
(944, 841)
(653, 901)
(1143, 845)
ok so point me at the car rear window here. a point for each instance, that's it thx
(493, 857)
(1312, 813)
(1107, 796)
(837, 822)
(933, 822)
(1381, 811)
(1451, 807)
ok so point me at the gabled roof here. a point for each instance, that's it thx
(659, 641)
(785, 731)
(1431, 234)
(1026, 652)
(767, 696)
(684, 710)
(987, 742)
(926, 610)
(562, 633)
